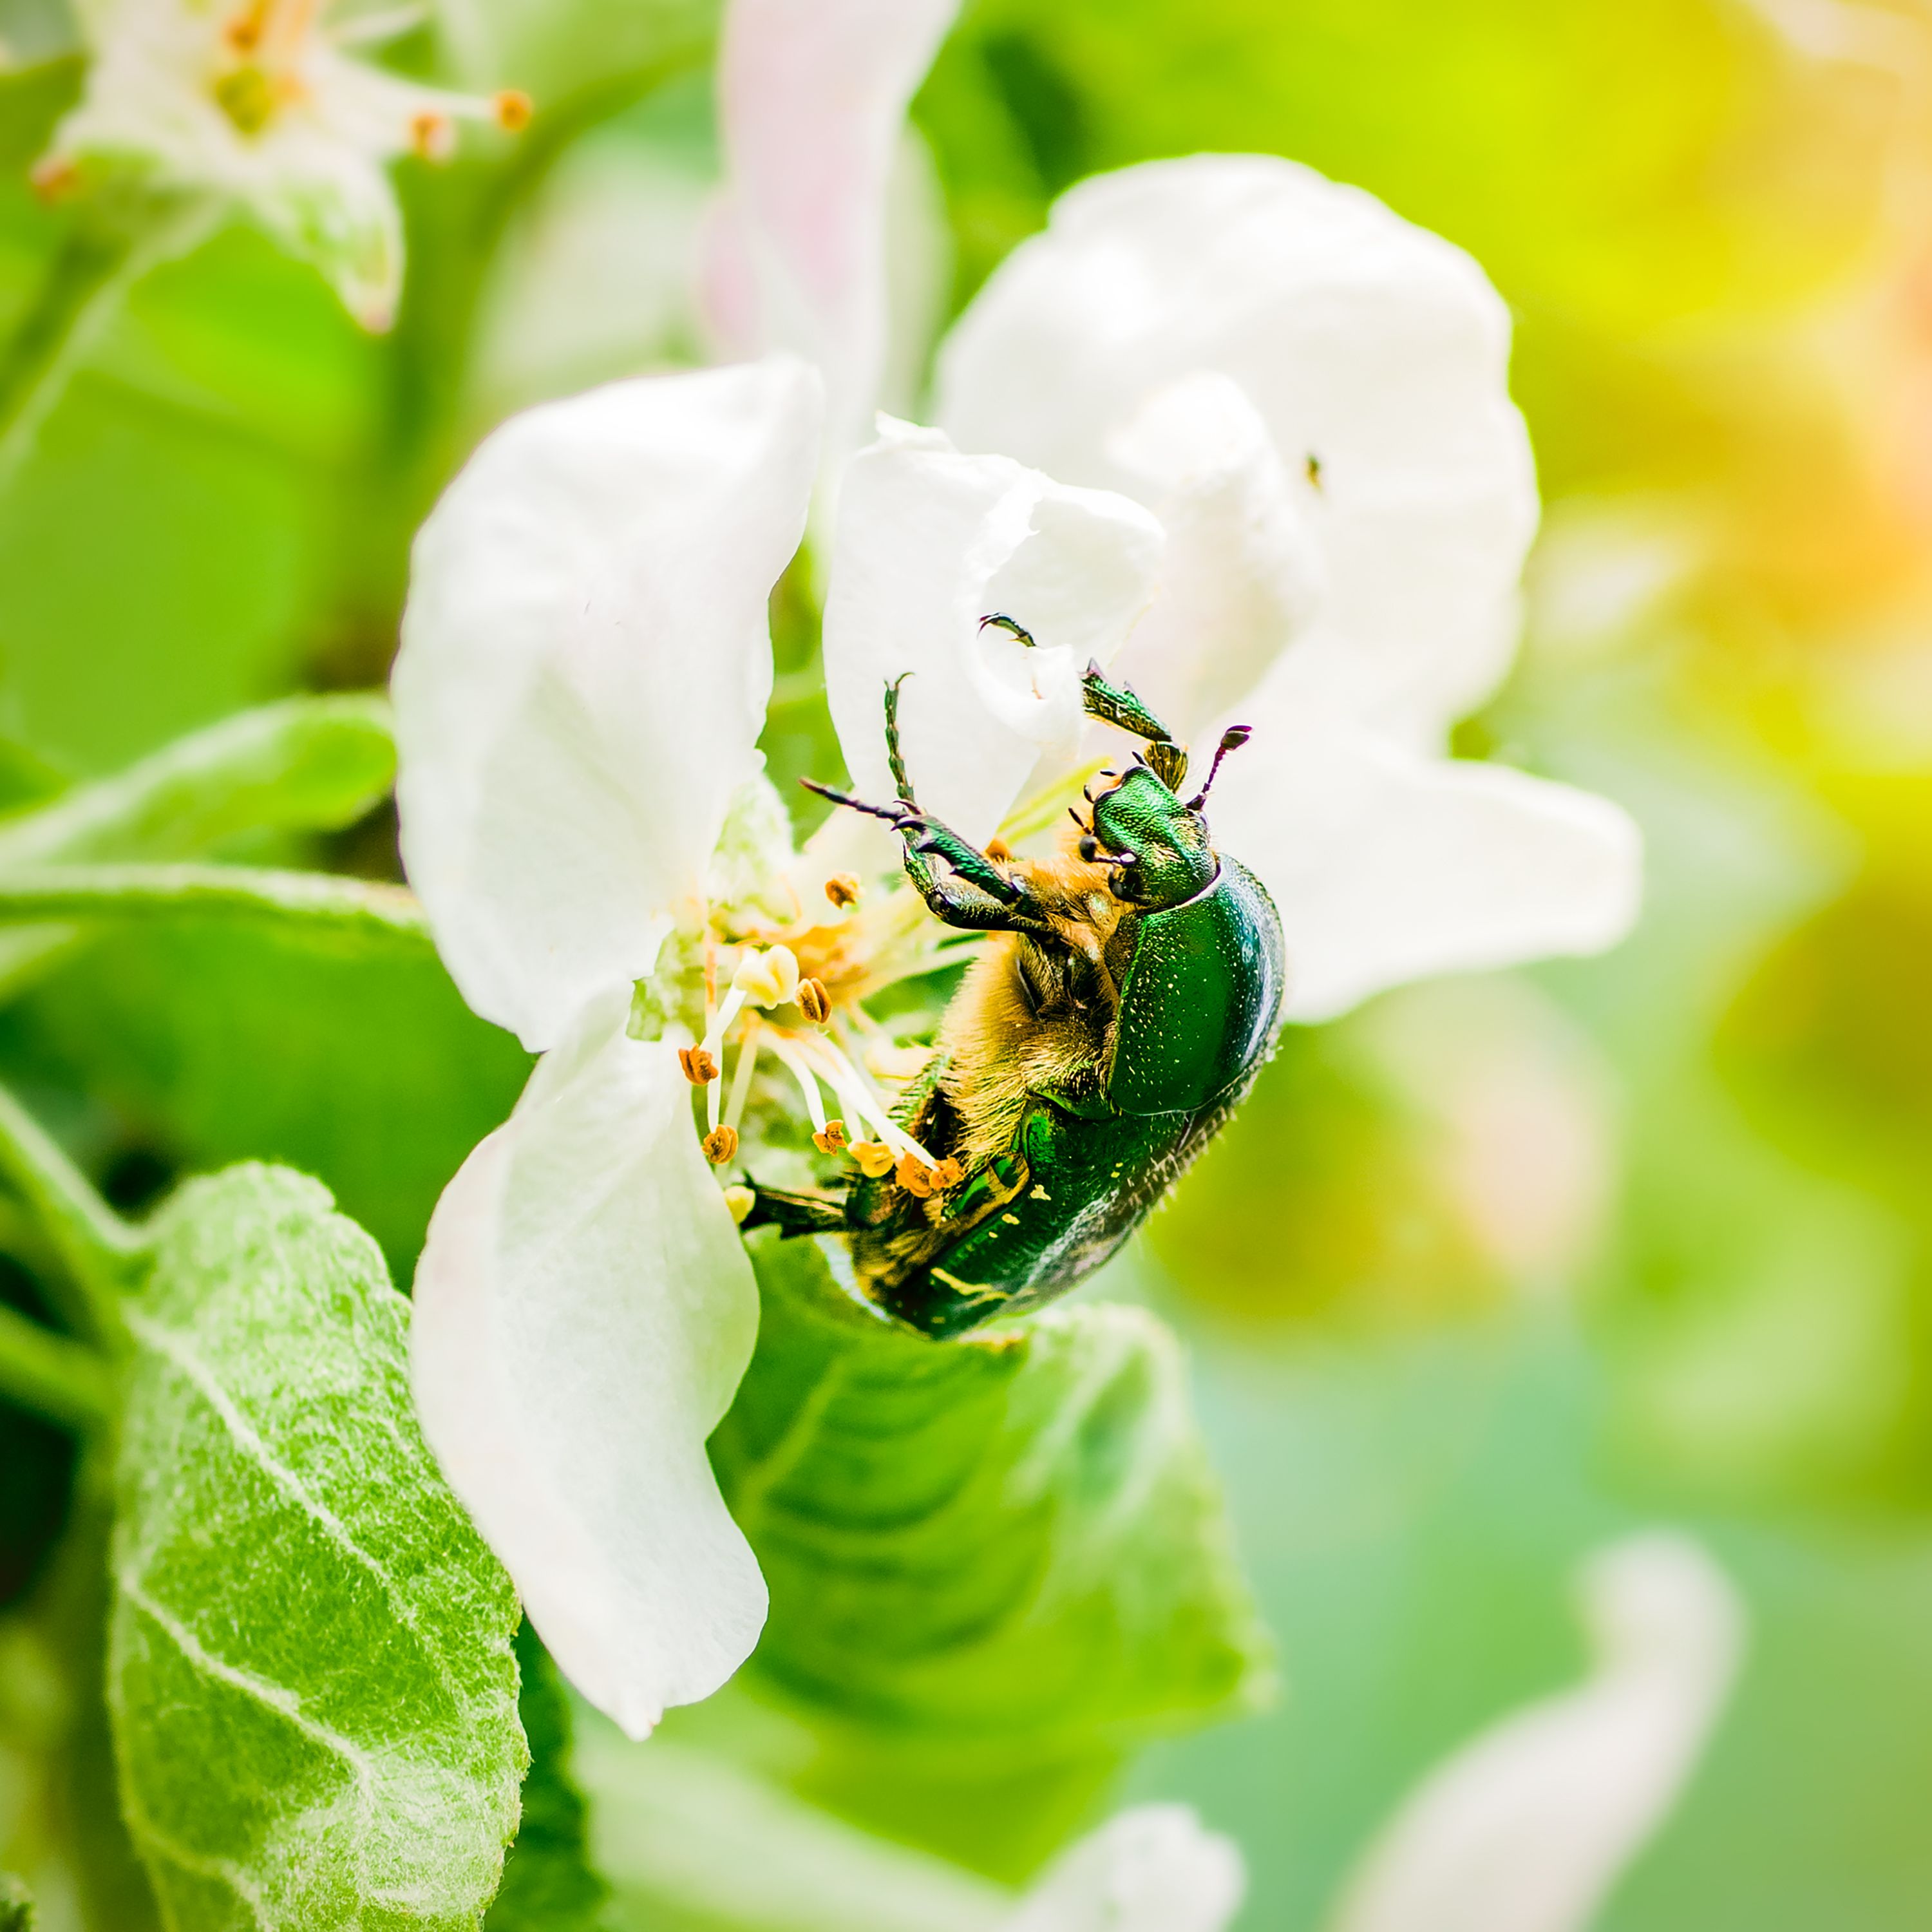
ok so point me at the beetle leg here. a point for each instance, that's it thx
(971, 892)
(795, 1213)
(1119, 705)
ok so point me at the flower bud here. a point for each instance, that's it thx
(720, 1144)
(814, 1002)
(700, 1067)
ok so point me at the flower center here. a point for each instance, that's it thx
(265, 41)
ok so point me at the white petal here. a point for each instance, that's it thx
(1241, 573)
(811, 99)
(584, 1310)
(1527, 1828)
(1387, 866)
(585, 663)
(1372, 347)
(928, 542)
(1152, 1869)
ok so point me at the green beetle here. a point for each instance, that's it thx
(1131, 995)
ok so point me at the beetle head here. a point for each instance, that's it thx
(1158, 847)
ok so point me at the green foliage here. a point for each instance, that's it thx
(995, 1565)
(548, 1883)
(310, 1670)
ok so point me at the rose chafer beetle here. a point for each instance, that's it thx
(1130, 996)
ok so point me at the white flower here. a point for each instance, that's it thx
(812, 103)
(584, 675)
(256, 103)
(1150, 1869)
(1527, 1828)
(584, 668)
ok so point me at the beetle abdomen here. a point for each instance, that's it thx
(1199, 998)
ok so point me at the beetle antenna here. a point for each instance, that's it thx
(891, 814)
(1232, 740)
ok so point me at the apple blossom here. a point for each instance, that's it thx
(261, 104)
(1295, 488)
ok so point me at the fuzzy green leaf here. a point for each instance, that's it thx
(991, 1562)
(310, 1670)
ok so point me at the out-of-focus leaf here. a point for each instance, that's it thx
(549, 1884)
(310, 1670)
(37, 1463)
(995, 1565)
(305, 764)
(204, 1046)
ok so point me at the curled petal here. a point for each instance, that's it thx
(1376, 353)
(1241, 573)
(584, 1310)
(811, 101)
(928, 543)
(585, 665)
(1151, 1869)
(1387, 866)
(1527, 1828)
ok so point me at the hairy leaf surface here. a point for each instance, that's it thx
(310, 1670)
(994, 1560)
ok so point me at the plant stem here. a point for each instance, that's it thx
(82, 291)
(96, 1247)
(51, 1376)
(323, 903)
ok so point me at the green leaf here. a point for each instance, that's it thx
(305, 764)
(310, 1671)
(549, 1885)
(996, 1565)
(16, 1906)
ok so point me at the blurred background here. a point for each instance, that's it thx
(1551, 1256)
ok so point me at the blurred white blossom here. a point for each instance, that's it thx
(263, 104)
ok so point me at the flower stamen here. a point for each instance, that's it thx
(699, 1065)
(720, 1144)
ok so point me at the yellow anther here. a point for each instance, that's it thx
(720, 1144)
(433, 136)
(875, 1158)
(843, 888)
(999, 851)
(768, 979)
(947, 1173)
(914, 1176)
(740, 1201)
(699, 1065)
(814, 1001)
(54, 177)
(832, 1139)
(513, 109)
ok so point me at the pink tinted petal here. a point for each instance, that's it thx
(585, 665)
(584, 1310)
(812, 97)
